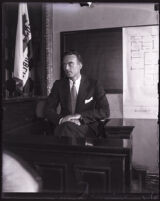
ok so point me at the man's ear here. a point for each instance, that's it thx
(80, 65)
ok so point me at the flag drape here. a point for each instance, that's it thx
(23, 51)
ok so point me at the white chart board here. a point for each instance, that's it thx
(140, 72)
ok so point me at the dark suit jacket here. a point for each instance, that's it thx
(91, 103)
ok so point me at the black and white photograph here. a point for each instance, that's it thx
(80, 100)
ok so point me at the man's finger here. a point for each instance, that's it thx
(76, 116)
(77, 122)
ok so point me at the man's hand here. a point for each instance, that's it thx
(71, 118)
(76, 121)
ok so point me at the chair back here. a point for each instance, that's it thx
(40, 108)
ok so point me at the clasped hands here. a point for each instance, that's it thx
(72, 118)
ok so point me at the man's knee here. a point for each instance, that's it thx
(68, 124)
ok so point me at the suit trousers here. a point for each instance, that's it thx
(73, 131)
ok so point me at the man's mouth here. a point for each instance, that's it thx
(68, 72)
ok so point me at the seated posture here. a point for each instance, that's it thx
(17, 176)
(82, 100)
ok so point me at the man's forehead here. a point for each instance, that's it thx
(70, 57)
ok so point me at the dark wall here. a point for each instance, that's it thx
(101, 51)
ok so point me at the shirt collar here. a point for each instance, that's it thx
(77, 81)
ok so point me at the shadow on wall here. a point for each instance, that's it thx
(145, 143)
(116, 105)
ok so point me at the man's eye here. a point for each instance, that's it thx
(70, 63)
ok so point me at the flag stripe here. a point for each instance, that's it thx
(23, 38)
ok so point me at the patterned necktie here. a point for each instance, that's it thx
(73, 97)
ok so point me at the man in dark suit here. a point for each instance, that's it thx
(82, 100)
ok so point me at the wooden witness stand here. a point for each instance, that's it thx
(73, 170)
(77, 169)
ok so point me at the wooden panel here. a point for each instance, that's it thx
(20, 116)
(53, 176)
(73, 169)
(18, 113)
(97, 180)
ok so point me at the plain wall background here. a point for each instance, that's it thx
(72, 17)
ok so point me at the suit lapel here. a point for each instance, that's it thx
(82, 93)
(66, 94)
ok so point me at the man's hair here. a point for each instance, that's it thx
(73, 52)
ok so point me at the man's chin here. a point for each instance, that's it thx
(69, 76)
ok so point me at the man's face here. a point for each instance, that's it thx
(72, 66)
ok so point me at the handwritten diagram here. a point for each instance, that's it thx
(140, 72)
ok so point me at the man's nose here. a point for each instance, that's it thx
(67, 67)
